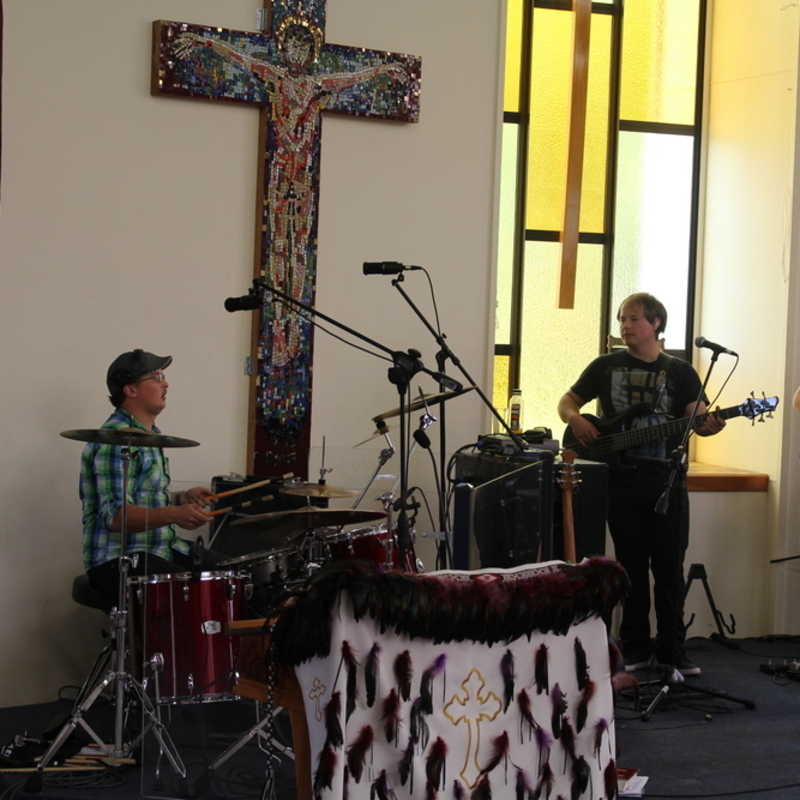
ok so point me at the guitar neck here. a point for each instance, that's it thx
(648, 434)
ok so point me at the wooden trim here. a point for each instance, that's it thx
(710, 478)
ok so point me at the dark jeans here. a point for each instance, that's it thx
(645, 541)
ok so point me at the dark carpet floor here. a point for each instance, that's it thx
(693, 745)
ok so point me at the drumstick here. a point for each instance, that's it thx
(218, 495)
(246, 503)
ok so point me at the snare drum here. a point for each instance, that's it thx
(183, 617)
(280, 566)
(371, 544)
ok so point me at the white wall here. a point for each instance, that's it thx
(127, 219)
(745, 265)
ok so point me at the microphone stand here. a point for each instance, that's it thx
(404, 366)
(679, 455)
(442, 355)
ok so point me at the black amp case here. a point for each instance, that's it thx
(504, 503)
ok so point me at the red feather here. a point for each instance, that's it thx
(581, 667)
(333, 727)
(583, 706)
(324, 777)
(610, 780)
(483, 791)
(500, 751)
(507, 671)
(540, 672)
(403, 672)
(371, 673)
(434, 768)
(357, 752)
(600, 729)
(391, 716)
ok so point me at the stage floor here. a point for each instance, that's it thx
(692, 745)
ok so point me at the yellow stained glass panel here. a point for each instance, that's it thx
(501, 389)
(505, 240)
(659, 61)
(513, 53)
(551, 84)
(556, 343)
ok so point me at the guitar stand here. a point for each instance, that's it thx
(698, 572)
(673, 685)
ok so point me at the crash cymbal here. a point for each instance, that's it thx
(421, 402)
(317, 490)
(127, 437)
(310, 517)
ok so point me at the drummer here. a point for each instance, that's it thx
(138, 391)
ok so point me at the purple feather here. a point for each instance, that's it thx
(582, 711)
(483, 791)
(581, 775)
(391, 716)
(371, 673)
(406, 765)
(544, 785)
(610, 780)
(357, 752)
(403, 672)
(426, 682)
(543, 745)
(600, 728)
(333, 727)
(324, 776)
(507, 671)
(559, 703)
(540, 672)
(434, 768)
(581, 667)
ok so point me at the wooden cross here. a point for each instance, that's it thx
(577, 136)
(292, 76)
(472, 706)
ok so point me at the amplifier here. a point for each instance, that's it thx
(505, 504)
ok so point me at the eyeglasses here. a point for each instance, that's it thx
(157, 376)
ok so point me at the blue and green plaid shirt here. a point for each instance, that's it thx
(102, 497)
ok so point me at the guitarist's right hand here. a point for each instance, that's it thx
(584, 431)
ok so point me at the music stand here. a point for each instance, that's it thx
(118, 675)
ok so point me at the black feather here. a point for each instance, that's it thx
(323, 779)
(371, 673)
(426, 682)
(406, 765)
(581, 667)
(583, 706)
(403, 672)
(559, 703)
(357, 752)
(540, 671)
(333, 726)
(610, 780)
(418, 728)
(507, 671)
(581, 775)
(434, 768)
(483, 791)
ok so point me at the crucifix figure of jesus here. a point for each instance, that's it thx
(293, 76)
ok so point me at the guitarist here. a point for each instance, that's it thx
(667, 387)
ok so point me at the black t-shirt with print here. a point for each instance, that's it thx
(620, 381)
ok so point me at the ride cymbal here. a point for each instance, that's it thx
(127, 437)
(317, 490)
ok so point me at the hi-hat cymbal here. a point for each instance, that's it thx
(317, 490)
(421, 402)
(310, 517)
(127, 437)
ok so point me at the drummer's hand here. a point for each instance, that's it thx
(198, 495)
(190, 516)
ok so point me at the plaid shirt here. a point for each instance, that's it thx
(101, 495)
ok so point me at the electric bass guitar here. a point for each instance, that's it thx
(616, 435)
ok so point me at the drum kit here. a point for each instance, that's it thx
(181, 619)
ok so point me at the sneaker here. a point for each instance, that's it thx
(637, 659)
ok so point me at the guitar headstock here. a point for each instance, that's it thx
(759, 407)
(569, 476)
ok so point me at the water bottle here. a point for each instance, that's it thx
(515, 411)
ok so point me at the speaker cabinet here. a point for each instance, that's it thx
(589, 508)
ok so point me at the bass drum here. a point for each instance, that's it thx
(182, 619)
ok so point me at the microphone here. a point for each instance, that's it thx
(247, 302)
(446, 381)
(701, 341)
(385, 268)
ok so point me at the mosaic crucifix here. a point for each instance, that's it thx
(292, 75)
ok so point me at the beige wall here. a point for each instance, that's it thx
(745, 263)
(127, 219)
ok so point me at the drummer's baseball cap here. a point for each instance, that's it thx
(129, 367)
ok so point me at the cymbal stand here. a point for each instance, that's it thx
(384, 456)
(118, 676)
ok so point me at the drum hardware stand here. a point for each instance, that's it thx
(404, 366)
(698, 572)
(118, 676)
